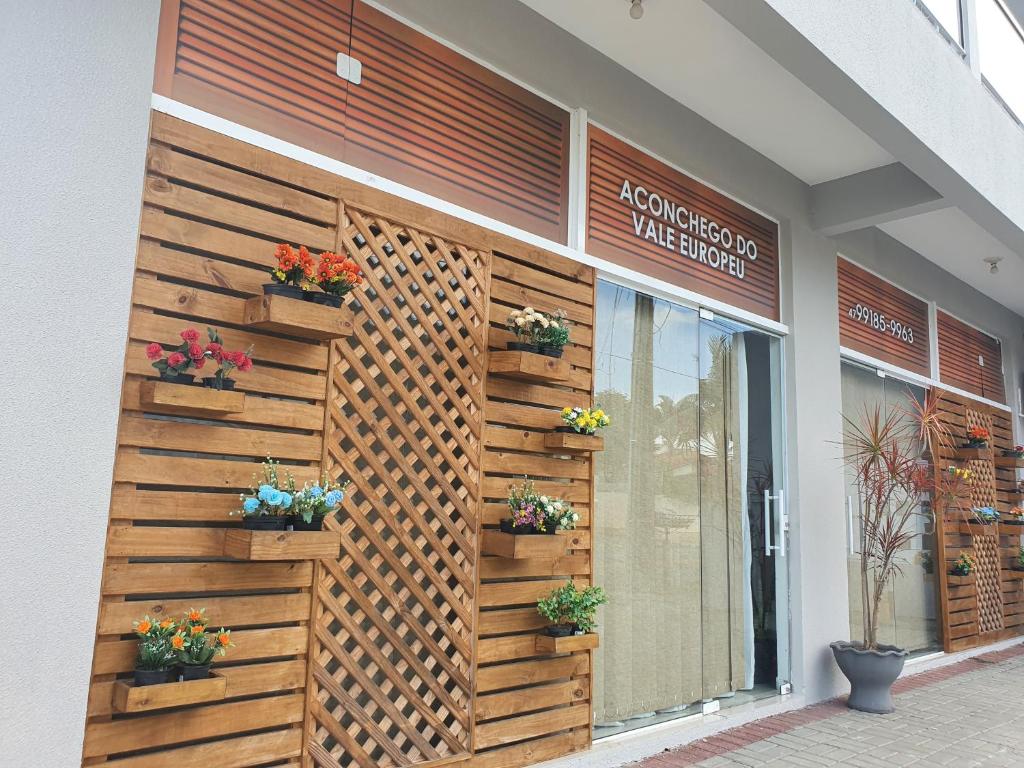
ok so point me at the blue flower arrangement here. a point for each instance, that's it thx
(267, 497)
(319, 500)
(986, 514)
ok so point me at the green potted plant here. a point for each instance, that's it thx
(552, 334)
(583, 421)
(314, 503)
(155, 656)
(570, 610)
(889, 457)
(1018, 563)
(195, 648)
(964, 565)
(266, 506)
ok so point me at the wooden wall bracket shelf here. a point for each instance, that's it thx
(1009, 461)
(296, 317)
(548, 644)
(243, 544)
(573, 442)
(959, 581)
(166, 397)
(973, 454)
(521, 547)
(529, 365)
(128, 697)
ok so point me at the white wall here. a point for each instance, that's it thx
(76, 80)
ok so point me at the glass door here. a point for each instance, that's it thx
(908, 613)
(697, 583)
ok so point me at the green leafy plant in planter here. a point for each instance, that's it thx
(155, 658)
(889, 455)
(195, 648)
(269, 499)
(964, 565)
(1018, 564)
(571, 611)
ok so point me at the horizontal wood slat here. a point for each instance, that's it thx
(628, 231)
(902, 337)
(962, 349)
(423, 114)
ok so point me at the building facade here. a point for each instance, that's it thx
(760, 218)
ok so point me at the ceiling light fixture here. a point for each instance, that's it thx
(636, 9)
(993, 264)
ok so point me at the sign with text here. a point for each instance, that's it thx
(649, 217)
(878, 319)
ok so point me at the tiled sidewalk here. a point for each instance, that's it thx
(966, 714)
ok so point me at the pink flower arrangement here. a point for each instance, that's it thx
(190, 354)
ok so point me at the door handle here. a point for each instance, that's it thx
(770, 520)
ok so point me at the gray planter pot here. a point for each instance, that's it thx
(871, 674)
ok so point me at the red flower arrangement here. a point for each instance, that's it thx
(191, 355)
(292, 267)
(337, 275)
(978, 437)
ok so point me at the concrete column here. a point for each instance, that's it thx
(74, 125)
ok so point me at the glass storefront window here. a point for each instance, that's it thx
(908, 614)
(947, 14)
(1001, 54)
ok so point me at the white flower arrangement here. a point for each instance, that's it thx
(526, 323)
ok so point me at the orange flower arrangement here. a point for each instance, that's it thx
(155, 651)
(337, 275)
(292, 267)
(178, 642)
(195, 648)
(977, 437)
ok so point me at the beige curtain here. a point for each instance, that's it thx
(647, 523)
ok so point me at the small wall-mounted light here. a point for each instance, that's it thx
(993, 264)
(636, 9)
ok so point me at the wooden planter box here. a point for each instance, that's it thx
(1009, 461)
(165, 397)
(529, 365)
(959, 581)
(281, 545)
(127, 697)
(296, 317)
(573, 442)
(973, 454)
(523, 546)
(548, 644)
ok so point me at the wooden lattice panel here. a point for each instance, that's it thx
(990, 604)
(393, 658)
(983, 491)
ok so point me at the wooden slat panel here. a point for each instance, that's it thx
(961, 348)
(903, 336)
(662, 247)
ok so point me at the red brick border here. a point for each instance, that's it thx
(759, 730)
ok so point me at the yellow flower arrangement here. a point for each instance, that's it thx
(585, 420)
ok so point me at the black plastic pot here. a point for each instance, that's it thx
(566, 430)
(178, 378)
(1013, 455)
(522, 346)
(550, 529)
(151, 676)
(282, 289)
(327, 299)
(976, 444)
(264, 522)
(550, 351)
(298, 524)
(194, 671)
(560, 630)
(871, 675)
(520, 530)
(211, 383)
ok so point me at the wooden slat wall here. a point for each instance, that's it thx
(530, 706)
(960, 346)
(858, 286)
(611, 232)
(423, 114)
(992, 608)
(213, 211)
(423, 650)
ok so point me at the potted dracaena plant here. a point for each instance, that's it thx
(195, 648)
(570, 610)
(155, 655)
(889, 454)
